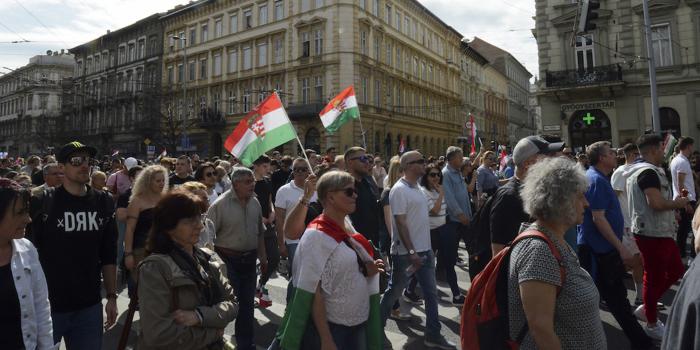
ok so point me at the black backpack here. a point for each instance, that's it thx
(480, 238)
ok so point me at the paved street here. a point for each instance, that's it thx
(403, 334)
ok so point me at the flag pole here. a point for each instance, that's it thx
(362, 130)
(303, 151)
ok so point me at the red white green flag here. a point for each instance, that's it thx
(340, 110)
(262, 129)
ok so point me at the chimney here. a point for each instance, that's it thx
(48, 52)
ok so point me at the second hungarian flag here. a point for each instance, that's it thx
(340, 110)
(262, 129)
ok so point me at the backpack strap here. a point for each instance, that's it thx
(557, 255)
(47, 203)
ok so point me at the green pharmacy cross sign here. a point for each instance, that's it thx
(588, 118)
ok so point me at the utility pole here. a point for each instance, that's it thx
(655, 120)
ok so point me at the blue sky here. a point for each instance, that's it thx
(62, 24)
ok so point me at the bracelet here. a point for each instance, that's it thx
(111, 296)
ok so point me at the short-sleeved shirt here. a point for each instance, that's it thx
(600, 196)
(288, 196)
(507, 213)
(681, 164)
(576, 317)
(441, 218)
(619, 184)
(407, 199)
(486, 180)
(121, 180)
(648, 179)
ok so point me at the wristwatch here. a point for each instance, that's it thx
(411, 252)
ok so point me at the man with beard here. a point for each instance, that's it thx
(366, 218)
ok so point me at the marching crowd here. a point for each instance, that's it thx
(361, 241)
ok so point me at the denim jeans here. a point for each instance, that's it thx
(242, 275)
(81, 330)
(291, 249)
(426, 279)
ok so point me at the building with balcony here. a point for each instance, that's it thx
(115, 101)
(595, 86)
(402, 60)
(520, 122)
(30, 104)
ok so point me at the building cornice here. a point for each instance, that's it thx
(660, 6)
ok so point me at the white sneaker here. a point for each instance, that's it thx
(655, 332)
(639, 313)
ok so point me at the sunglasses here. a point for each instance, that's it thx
(435, 174)
(78, 161)
(301, 170)
(419, 161)
(350, 191)
(363, 159)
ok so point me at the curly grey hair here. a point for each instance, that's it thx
(550, 189)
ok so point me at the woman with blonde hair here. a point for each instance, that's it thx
(149, 186)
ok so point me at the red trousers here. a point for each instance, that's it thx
(662, 268)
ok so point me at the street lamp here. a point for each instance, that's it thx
(184, 82)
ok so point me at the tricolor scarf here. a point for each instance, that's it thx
(320, 239)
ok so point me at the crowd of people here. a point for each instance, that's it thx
(360, 241)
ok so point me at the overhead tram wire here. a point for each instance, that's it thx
(42, 23)
(12, 31)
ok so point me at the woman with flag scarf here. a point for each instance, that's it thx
(335, 279)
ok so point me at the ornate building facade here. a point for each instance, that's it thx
(30, 104)
(402, 60)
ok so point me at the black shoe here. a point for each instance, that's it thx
(411, 298)
(458, 300)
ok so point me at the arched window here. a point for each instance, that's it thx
(670, 121)
(312, 140)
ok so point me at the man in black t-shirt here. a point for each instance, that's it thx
(183, 172)
(75, 233)
(281, 177)
(263, 190)
(366, 217)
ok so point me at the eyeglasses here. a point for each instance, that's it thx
(435, 174)
(362, 158)
(78, 161)
(350, 191)
(301, 170)
(418, 161)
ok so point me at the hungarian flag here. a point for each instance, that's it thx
(669, 144)
(472, 127)
(340, 110)
(323, 237)
(262, 129)
(402, 146)
(115, 153)
(164, 153)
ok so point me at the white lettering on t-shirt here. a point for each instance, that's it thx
(79, 222)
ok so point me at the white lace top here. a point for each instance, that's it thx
(344, 288)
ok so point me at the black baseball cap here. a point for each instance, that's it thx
(71, 148)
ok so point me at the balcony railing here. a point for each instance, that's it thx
(208, 118)
(592, 76)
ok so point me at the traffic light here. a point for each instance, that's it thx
(589, 13)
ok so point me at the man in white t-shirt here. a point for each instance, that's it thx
(410, 248)
(619, 184)
(682, 177)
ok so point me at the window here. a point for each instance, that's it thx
(132, 52)
(262, 15)
(375, 7)
(43, 101)
(205, 33)
(218, 28)
(363, 42)
(387, 14)
(139, 80)
(318, 42)
(203, 69)
(377, 45)
(216, 69)
(423, 72)
(261, 93)
(180, 73)
(246, 101)
(304, 5)
(193, 36)
(377, 92)
(305, 90)
(416, 72)
(389, 53)
(279, 10)
(398, 20)
(305, 45)
(584, 52)
(407, 30)
(248, 19)
(318, 88)
(661, 42)
(318, 3)
(233, 24)
(399, 62)
(247, 63)
(365, 93)
(262, 54)
(363, 4)
(192, 70)
(141, 51)
(279, 51)
(231, 101)
(170, 74)
(232, 61)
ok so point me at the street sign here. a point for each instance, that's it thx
(150, 148)
(551, 127)
(147, 141)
